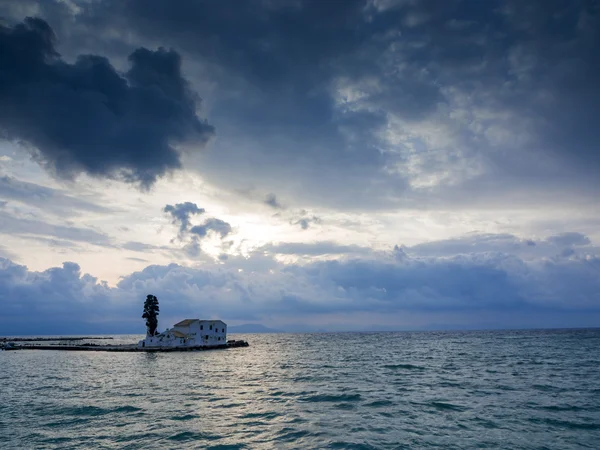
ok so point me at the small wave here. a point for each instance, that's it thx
(127, 408)
(306, 378)
(190, 436)
(261, 415)
(560, 408)
(344, 406)
(445, 406)
(231, 405)
(403, 366)
(547, 388)
(185, 417)
(216, 399)
(350, 445)
(332, 398)
(88, 411)
(566, 424)
(226, 447)
(449, 384)
(67, 422)
(379, 403)
(291, 434)
(486, 423)
(92, 411)
(57, 440)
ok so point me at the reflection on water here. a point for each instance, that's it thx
(347, 390)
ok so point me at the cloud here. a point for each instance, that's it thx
(47, 302)
(137, 259)
(469, 287)
(181, 213)
(365, 105)
(86, 117)
(217, 225)
(314, 249)
(569, 239)
(190, 235)
(5, 253)
(271, 200)
(140, 247)
(305, 222)
(52, 200)
(383, 106)
(23, 227)
(528, 249)
(474, 243)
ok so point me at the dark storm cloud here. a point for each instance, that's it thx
(526, 74)
(494, 97)
(271, 66)
(86, 117)
(267, 42)
(181, 213)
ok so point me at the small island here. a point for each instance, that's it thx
(186, 335)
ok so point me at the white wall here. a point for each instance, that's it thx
(209, 332)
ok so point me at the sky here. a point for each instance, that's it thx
(306, 165)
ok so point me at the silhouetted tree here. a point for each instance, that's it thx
(151, 315)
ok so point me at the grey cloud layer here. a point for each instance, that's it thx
(360, 103)
(540, 291)
(46, 198)
(20, 226)
(86, 117)
(363, 103)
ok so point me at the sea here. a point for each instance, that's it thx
(534, 389)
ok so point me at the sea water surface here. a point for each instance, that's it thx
(456, 390)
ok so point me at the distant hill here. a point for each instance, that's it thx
(251, 328)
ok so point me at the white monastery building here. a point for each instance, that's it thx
(189, 333)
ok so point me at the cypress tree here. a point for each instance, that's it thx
(151, 315)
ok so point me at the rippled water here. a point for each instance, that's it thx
(519, 389)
